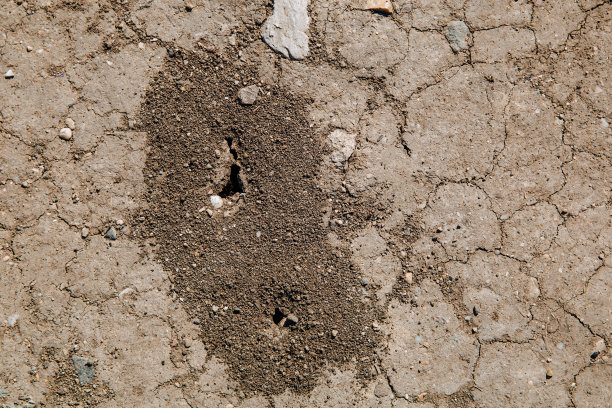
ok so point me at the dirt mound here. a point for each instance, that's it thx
(274, 299)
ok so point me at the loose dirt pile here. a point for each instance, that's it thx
(274, 299)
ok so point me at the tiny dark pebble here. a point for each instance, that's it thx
(549, 374)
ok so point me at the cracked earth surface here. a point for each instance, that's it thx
(468, 185)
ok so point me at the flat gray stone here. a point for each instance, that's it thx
(84, 369)
(248, 94)
(111, 234)
(285, 30)
(456, 33)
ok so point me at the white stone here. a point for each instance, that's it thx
(9, 74)
(65, 134)
(408, 277)
(285, 30)
(343, 144)
(216, 201)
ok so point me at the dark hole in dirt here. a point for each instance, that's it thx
(278, 316)
(235, 183)
(267, 245)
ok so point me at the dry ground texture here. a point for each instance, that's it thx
(417, 207)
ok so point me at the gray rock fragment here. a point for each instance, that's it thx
(285, 30)
(84, 369)
(248, 94)
(456, 33)
(111, 234)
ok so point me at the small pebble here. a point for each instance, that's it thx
(209, 212)
(29, 48)
(65, 134)
(364, 282)
(84, 232)
(111, 234)
(216, 201)
(408, 277)
(549, 373)
(248, 94)
(9, 74)
(334, 333)
(215, 309)
(474, 329)
(457, 35)
(70, 123)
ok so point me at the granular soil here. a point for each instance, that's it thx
(65, 389)
(275, 301)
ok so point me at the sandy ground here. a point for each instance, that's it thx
(484, 168)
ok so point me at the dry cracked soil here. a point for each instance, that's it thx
(293, 203)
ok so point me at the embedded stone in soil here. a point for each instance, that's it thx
(274, 300)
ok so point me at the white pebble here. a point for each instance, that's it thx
(216, 201)
(258, 234)
(604, 123)
(9, 74)
(65, 134)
